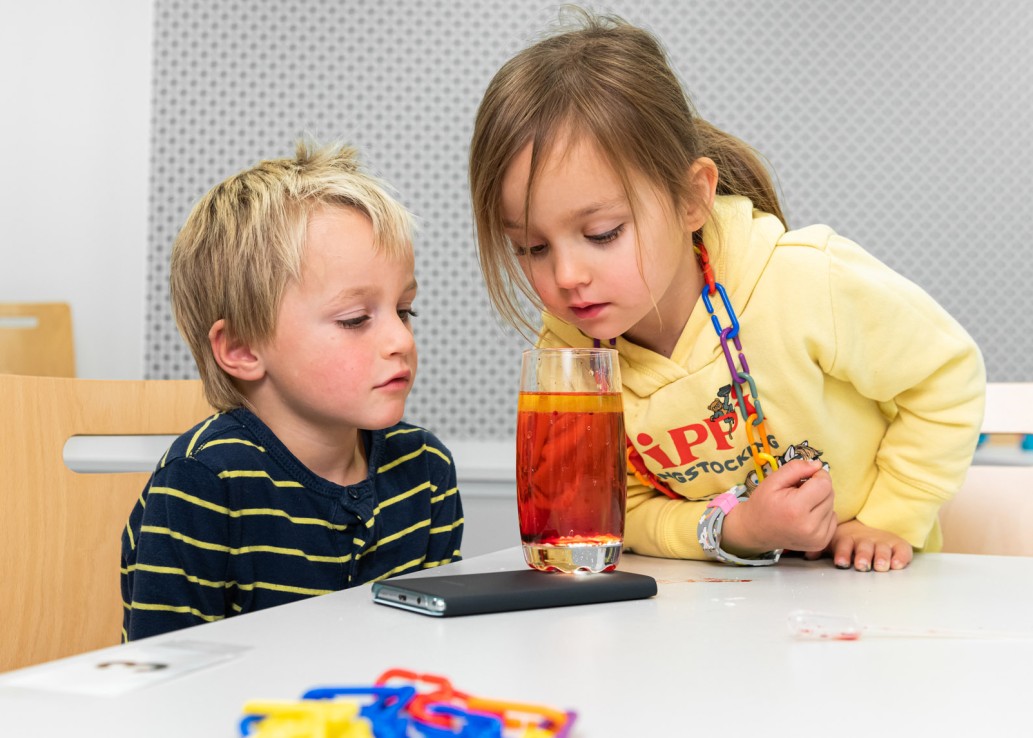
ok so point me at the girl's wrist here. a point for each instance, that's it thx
(736, 537)
(728, 547)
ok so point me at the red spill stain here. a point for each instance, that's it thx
(846, 636)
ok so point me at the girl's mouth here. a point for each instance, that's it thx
(586, 312)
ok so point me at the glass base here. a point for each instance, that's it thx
(573, 558)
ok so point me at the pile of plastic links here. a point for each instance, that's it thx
(401, 704)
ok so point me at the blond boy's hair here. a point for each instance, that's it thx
(243, 243)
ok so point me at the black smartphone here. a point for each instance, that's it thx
(503, 591)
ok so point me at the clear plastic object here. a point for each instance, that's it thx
(820, 626)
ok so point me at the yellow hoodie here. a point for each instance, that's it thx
(851, 361)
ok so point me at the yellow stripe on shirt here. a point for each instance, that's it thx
(403, 496)
(243, 512)
(272, 586)
(447, 493)
(184, 609)
(193, 439)
(447, 528)
(221, 441)
(243, 550)
(410, 456)
(257, 474)
(396, 536)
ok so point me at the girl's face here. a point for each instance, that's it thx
(588, 260)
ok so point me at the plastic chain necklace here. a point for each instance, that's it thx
(741, 372)
(762, 459)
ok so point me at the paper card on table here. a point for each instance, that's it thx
(115, 671)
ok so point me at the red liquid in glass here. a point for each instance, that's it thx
(571, 468)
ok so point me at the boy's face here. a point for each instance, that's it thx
(343, 356)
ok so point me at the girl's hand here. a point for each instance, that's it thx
(791, 509)
(866, 548)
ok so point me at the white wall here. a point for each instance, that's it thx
(75, 91)
(75, 111)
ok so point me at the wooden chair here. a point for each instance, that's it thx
(993, 511)
(60, 530)
(36, 338)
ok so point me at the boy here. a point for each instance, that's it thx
(292, 282)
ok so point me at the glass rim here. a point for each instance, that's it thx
(571, 350)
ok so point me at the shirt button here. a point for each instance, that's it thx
(353, 493)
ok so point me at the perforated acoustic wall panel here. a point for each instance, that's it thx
(904, 126)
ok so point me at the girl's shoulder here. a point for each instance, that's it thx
(820, 247)
(817, 236)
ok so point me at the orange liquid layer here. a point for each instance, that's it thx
(571, 473)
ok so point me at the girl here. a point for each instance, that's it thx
(760, 365)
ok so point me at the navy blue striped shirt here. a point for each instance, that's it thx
(232, 522)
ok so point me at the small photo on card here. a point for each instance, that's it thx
(115, 671)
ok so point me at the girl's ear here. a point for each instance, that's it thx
(703, 189)
(233, 355)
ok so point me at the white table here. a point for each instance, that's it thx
(702, 658)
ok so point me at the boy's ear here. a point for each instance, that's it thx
(702, 178)
(234, 355)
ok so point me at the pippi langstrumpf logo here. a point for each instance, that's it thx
(638, 467)
(681, 460)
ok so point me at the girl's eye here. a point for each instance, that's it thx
(407, 314)
(533, 251)
(352, 323)
(608, 236)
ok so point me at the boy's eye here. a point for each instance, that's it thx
(606, 237)
(353, 322)
(406, 314)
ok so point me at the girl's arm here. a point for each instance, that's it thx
(898, 347)
(791, 509)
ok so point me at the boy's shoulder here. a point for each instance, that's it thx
(406, 436)
(221, 440)
(406, 441)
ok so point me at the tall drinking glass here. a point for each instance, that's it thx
(571, 463)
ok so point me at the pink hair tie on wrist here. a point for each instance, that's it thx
(726, 501)
(711, 524)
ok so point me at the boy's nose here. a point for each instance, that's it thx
(399, 338)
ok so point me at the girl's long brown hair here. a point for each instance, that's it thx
(612, 82)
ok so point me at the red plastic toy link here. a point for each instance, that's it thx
(708, 271)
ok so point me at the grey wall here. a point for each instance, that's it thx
(903, 125)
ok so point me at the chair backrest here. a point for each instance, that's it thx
(36, 338)
(60, 530)
(993, 511)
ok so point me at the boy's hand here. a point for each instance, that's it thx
(791, 509)
(866, 548)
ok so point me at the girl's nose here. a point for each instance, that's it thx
(569, 270)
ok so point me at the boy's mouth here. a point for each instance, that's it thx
(401, 379)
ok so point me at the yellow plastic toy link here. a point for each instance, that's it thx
(533, 718)
(760, 458)
(309, 719)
